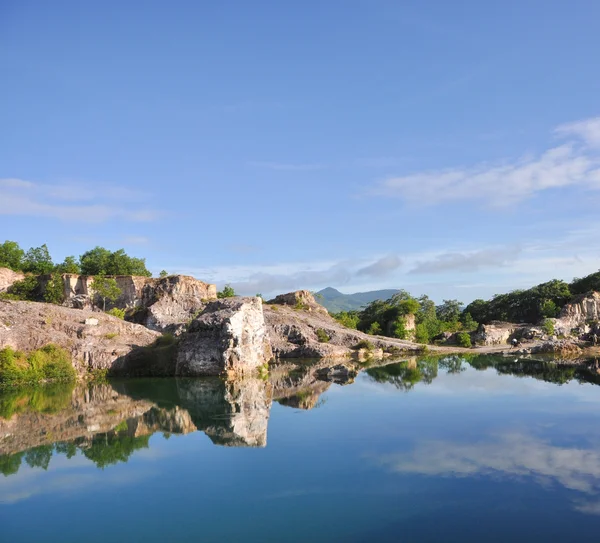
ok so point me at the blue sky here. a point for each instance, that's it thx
(449, 148)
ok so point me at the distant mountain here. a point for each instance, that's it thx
(335, 301)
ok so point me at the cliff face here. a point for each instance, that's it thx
(583, 312)
(161, 303)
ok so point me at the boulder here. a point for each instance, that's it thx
(229, 336)
(494, 333)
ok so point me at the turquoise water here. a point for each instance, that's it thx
(416, 451)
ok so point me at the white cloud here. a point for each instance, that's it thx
(73, 202)
(513, 454)
(588, 130)
(566, 165)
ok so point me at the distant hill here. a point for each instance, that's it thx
(335, 301)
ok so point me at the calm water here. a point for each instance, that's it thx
(417, 451)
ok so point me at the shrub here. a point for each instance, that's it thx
(25, 289)
(50, 363)
(349, 319)
(116, 312)
(463, 340)
(322, 336)
(227, 292)
(364, 344)
(300, 305)
(163, 273)
(548, 326)
(111, 335)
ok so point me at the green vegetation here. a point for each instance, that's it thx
(101, 261)
(50, 363)
(348, 318)
(523, 305)
(227, 292)
(97, 261)
(364, 344)
(37, 261)
(54, 292)
(26, 289)
(548, 327)
(163, 273)
(116, 312)
(463, 339)
(111, 335)
(69, 265)
(106, 289)
(50, 398)
(322, 336)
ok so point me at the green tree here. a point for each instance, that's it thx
(105, 288)
(227, 292)
(69, 265)
(449, 311)
(463, 339)
(37, 260)
(95, 261)
(549, 309)
(11, 255)
(100, 261)
(39, 457)
(163, 273)
(10, 463)
(54, 293)
(374, 329)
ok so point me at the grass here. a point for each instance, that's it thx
(301, 306)
(48, 364)
(112, 335)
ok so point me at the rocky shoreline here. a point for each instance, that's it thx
(178, 327)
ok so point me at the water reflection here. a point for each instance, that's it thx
(107, 423)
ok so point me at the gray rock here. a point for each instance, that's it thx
(229, 336)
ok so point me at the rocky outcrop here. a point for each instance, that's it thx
(229, 336)
(103, 343)
(299, 299)
(161, 304)
(8, 277)
(582, 314)
(297, 332)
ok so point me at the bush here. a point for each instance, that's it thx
(227, 292)
(50, 363)
(26, 289)
(548, 327)
(322, 336)
(364, 344)
(349, 319)
(116, 312)
(463, 340)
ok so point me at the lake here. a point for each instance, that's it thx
(428, 449)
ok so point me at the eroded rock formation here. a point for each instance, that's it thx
(8, 277)
(229, 336)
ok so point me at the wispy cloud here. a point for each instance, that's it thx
(468, 261)
(382, 267)
(75, 202)
(574, 163)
